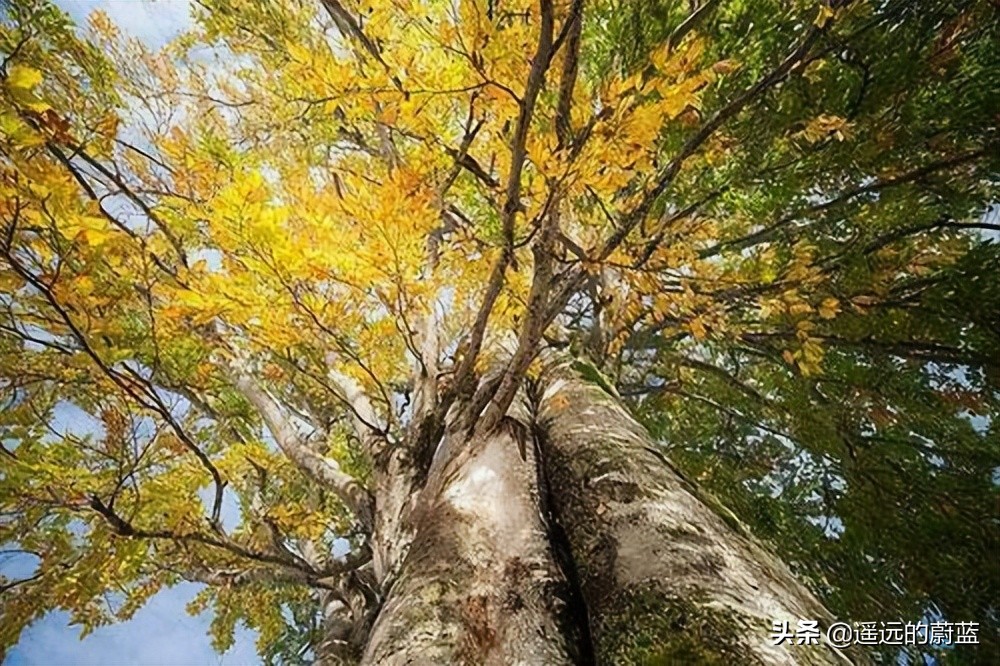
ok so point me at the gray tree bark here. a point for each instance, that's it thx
(479, 584)
(665, 579)
(564, 536)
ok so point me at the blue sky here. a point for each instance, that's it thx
(161, 633)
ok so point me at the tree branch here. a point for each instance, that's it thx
(536, 77)
(318, 467)
(567, 82)
(130, 382)
(690, 23)
(571, 279)
(768, 232)
(350, 28)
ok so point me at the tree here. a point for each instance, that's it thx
(473, 317)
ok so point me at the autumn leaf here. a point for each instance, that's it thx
(22, 77)
(824, 15)
(249, 275)
(829, 308)
(824, 126)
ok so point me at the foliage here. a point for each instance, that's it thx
(766, 223)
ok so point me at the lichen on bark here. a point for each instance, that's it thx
(666, 579)
(653, 629)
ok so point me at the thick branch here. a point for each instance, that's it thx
(315, 465)
(536, 77)
(531, 331)
(367, 424)
(573, 28)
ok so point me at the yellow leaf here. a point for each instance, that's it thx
(83, 285)
(825, 125)
(173, 312)
(697, 328)
(560, 402)
(22, 77)
(824, 15)
(94, 237)
(19, 133)
(108, 125)
(829, 308)
(298, 52)
(863, 301)
(725, 66)
(812, 352)
(660, 57)
(808, 369)
(389, 115)
(800, 308)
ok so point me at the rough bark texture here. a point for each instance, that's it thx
(479, 584)
(395, 497)
(665, 579)
(564, 536)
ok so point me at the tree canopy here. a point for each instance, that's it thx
(766, 225)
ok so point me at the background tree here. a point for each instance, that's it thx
(363, 302)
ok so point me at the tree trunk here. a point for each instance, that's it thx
(581, 545)
(665, 579)
(479, 584)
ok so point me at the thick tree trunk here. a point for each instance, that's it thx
(583, 544)
(665, 579)
(479, 584)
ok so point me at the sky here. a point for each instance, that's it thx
(155, 22)
(161, 633)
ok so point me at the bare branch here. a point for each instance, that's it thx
(768, 232)
(240, 577)
(325, 575)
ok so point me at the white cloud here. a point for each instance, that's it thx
(155, 23)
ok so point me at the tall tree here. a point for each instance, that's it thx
(432, 332)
